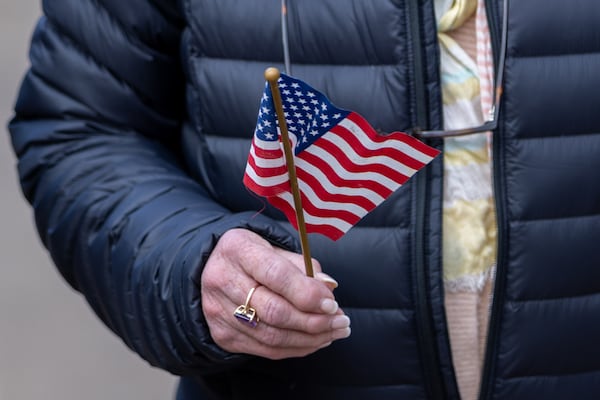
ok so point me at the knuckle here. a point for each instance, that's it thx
(274, 312)
(222, 337)
(233, 242)
(211, 279)
(273, 272)
(312, 295)
(228, 242)
(211, 309)
(210, 313)
(315, 325)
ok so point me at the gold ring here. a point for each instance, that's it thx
(245, 313)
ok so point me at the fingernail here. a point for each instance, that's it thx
(329, 281)
(342, 333)
(340, 321)
(325, 345)
(329, 306)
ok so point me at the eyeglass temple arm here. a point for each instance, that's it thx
(492, 122)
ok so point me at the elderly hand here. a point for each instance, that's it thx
(298, 314)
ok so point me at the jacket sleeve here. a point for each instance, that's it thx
(96, 132)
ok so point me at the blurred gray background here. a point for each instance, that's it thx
(51, 345)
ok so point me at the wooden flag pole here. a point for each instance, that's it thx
(272, 76)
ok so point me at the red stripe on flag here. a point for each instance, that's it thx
(352, 167)
(266, 153)
(264, 172)
(344, 215)
(401, 136)
(365, 152)
(325, 195)
(334, 178)
(266, 190)
(328, 230)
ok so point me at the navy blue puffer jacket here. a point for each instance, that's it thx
(132, 130)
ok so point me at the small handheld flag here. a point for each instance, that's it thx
(344, 167)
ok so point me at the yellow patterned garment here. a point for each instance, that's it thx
(469, 227)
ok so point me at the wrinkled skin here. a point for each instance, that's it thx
(298, 314)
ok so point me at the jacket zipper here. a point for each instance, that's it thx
(426, 335)
(489, 368)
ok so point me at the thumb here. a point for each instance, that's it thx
(327, 280)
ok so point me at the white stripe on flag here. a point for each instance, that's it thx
(262, 162)
(314, 220)
(331, 188)
(357, 159)
(344, 174)
(329, 205)
(391, 142)
(265, 182)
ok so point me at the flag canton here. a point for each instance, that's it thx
(308, 113)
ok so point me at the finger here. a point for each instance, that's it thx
(285, 338)
(298, 260)
(266, 335)
(327, 280)
(235, 336)
(250, 345)
(305, 293)
(278, 312)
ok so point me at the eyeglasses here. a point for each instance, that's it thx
(492, 122)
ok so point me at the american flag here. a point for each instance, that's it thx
(345, 168)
